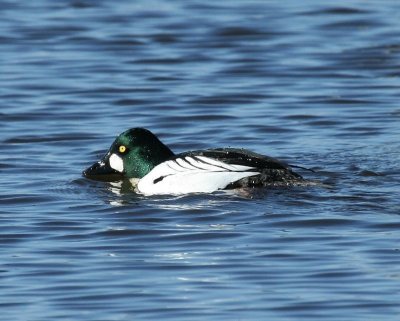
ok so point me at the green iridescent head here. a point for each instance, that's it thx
(133, 154)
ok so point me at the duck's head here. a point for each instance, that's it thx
(133, 154)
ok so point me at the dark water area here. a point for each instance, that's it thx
(313, 83)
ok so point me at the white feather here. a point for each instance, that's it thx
(184, 164)
(224, 165)
(198, 174)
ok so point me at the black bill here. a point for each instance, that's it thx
(102, 171)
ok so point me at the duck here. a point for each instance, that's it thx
(152, 168)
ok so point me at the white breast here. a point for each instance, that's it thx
(192, 174)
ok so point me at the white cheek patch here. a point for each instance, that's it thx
(117, 163)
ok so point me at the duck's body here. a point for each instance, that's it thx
(153, 168)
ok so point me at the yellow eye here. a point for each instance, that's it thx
(122, 149)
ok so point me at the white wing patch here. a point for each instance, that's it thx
(192, 174)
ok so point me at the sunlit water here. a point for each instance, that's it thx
(316, 85)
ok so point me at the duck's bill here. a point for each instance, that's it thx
(102, 171)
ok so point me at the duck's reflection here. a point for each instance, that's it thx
(125, 193)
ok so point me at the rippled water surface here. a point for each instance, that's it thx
(313, 83)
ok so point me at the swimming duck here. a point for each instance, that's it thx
(138, 155)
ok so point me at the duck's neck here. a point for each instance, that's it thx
(146, 159)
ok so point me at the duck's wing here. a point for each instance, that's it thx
(272, 172)
(243, 157)
(194, 172)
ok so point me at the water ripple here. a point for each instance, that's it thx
(315, 85)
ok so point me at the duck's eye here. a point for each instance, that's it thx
(122, 149)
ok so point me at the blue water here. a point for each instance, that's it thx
(313, 83)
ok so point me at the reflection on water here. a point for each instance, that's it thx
(313, 84)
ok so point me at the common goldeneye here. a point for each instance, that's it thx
(138, 155)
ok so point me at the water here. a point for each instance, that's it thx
(315, 84)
